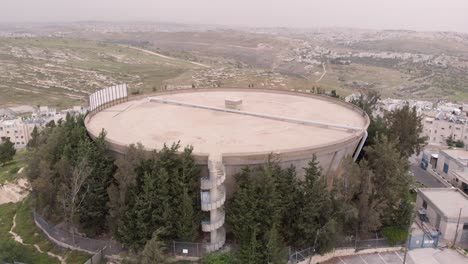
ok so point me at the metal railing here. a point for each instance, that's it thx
(207, 183)
(220, 241)
(210, 225)
(214, 202)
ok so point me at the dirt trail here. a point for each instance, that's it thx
(14, 191)
(323, 74)
(20, 240)
(170, 58)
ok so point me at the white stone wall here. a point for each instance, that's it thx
(452, 166)
(18, 132)
(438, 131)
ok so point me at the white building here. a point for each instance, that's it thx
(439, 130)
(17, 131)
(444, 210)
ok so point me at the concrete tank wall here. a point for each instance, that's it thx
(329, 156)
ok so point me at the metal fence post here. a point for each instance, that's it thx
(376, 238)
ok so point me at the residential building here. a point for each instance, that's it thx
(18, 131)
(444, 210)
(452, 164)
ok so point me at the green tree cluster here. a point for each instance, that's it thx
(455, 143)
(76, 182)
(402, 125)
(70, 174)
(161, 191)
(7, 151)
(272, 208)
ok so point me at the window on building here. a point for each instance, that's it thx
(424, 204)
(435, 131)
(446, 167)
(16, 131)
(1, 128)
(465, 226)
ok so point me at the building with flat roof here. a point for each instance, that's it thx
(446, 210)
(230, 129)
(452, 164)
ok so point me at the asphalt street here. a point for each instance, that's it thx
(424, 177)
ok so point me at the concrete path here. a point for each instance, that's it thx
(437, 256)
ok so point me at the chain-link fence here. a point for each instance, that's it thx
(67, 239)
(96, 258)
(196, 250)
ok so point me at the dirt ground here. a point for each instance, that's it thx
(14, 191)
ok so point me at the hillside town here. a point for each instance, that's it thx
(17, 123)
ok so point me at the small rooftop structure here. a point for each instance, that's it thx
(232, 103)
(447, 201)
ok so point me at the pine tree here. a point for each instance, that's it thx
(34, 141)
(405, 127)
(123, 179)
(274, 249)
(250, 251)
(315, 201)
(154, 250)
(187, 229)
(94, 210)
(7, 151)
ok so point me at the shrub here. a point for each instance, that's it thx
(395, 235)
(218, 258)
(14, 170)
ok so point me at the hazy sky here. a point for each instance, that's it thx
(449, 15)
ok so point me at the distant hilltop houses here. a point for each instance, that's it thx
(17, 123)
(444, 123)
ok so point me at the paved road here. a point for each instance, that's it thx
(424, 177)
(395, 257)
(416, 256)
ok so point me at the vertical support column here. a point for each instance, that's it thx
(215, 203)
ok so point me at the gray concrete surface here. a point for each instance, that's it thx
(437, 256)
(425, 177)
(395, 257)
(416, 256)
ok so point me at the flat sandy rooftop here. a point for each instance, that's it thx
(208, 131)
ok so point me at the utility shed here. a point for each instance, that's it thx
(445, 209)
